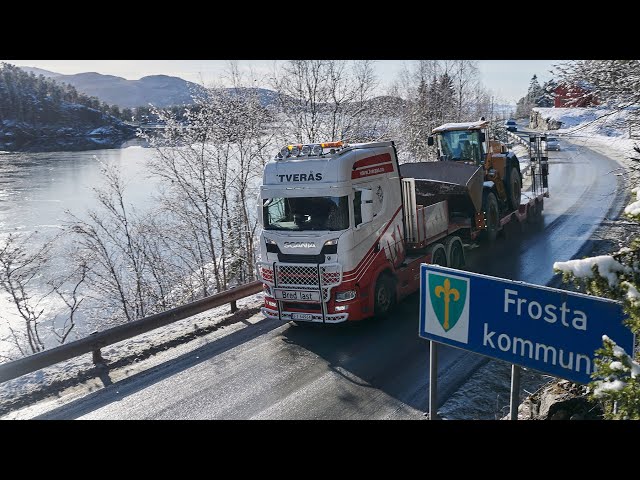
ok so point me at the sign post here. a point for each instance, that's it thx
(514, 399)
(433, 381)
(546, 329)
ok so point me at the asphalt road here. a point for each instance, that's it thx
(375, 369)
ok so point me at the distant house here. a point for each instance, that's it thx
(574, 96)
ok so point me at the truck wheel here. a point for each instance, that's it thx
(535, 213)
(490, 207)
(384, 296)
(438, 254)
(532, 212)
(513, 185)
(455, 253)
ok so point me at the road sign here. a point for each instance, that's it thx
(546, 329)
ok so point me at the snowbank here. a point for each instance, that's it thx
(606, 126)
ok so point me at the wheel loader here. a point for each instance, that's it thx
(478, 175)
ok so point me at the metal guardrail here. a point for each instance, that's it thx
(94, 342)
(518, 138)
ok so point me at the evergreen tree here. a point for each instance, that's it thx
(616, 381)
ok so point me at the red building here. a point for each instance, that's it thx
(573, 96)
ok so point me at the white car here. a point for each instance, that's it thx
(551, 144)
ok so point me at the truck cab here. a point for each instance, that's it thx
(331, 224)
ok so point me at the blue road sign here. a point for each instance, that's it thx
(546, 329)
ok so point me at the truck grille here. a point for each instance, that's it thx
(300, 276)
(291, 276)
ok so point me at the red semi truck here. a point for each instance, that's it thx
(346, 227)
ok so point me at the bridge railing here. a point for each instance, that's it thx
(94, 342)
(518, 138)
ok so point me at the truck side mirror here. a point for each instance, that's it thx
(483, 137)
(366, 205)
(430, 141)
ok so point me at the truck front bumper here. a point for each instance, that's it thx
(306, 317)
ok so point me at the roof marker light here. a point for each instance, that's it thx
(331, 144)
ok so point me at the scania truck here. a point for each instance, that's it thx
(344, 228)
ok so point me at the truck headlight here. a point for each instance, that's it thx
(330, 247)
(344, 296)
(272, 245)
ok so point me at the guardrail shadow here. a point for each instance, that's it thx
(144, 379)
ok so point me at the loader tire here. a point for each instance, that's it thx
(492, 214)
(513, 186)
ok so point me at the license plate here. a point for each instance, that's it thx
(301, 316)
(298, 295)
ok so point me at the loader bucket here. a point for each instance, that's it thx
(458, 183)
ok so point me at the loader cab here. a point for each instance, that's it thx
(468, 146)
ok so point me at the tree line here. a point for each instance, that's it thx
(37, 100)
(40, 101)
(537, 96)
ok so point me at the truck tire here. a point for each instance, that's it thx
(535, 213)
(384, 296)
(492, 214)
(513, 186)
(438, 254)
(455, 253)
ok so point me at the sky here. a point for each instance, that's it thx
(507, 79)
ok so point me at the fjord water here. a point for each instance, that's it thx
(36, 189)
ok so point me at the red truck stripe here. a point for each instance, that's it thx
(370, 171)
(376, 159)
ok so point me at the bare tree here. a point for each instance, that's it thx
(466, 83)
(111, 241)
(19, 272)
(209, 166)
(67, 287)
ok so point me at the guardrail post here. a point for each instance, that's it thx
(234, 307)
(98, 360)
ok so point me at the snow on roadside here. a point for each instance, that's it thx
(602, 125)
(132, 356)
(583, 268)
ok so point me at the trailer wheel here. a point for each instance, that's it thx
(384, 296)
(513, 185)
(455, 253)
(438, 254)
(490, 207)
(535, 213)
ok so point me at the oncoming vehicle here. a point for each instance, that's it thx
(551, 143)
(511, 125)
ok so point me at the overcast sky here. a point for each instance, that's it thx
(507, 79)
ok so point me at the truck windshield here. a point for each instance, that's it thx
(306, 213)
(461, 145)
